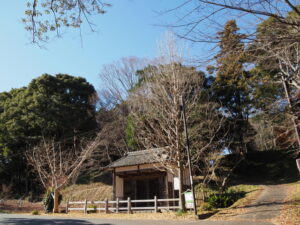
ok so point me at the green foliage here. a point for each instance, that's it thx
(131, 139)
(92, 209)
(224, 199)
(35, 212)
(61, 107)
(180, 212)
(232, 86)
(207, 207)
(48, 201)
(4, 211)
(269, 42)
(45, 18)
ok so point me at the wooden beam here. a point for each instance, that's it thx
(114, 183)
(140, 172)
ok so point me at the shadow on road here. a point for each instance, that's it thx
(204, 216)
(23, 221)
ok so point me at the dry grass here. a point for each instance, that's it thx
(290, 213)
(92, 192)
(134, 216)
(17, 206)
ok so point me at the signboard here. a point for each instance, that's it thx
(189, 202)
(176, 183)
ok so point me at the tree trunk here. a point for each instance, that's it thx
(225, 180)
(56, 201)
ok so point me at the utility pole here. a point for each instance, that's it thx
(188, 154)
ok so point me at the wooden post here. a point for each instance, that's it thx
(129, 205)
(167, 189)
(117, 205)
(114, 183)
(67, 207)
(92, 203)
(155, 204)
(106, 205)
(85, 206)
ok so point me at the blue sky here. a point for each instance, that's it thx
(128, 29)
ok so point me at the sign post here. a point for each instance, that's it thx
(189, 201)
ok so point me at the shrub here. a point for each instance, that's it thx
(179, 212)
(207, 207)
(224, 199)
(35, 212)
(93, 209)
(48, 201)
(4, 211)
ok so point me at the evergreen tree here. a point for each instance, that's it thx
(232, 86)
(59, 107)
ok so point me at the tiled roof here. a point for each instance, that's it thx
(138, 158)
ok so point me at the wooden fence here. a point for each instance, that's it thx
(123, 205)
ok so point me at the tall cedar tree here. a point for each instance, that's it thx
(232, 85)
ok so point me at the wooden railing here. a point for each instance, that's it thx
(123, 205)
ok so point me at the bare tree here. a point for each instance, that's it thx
(286, 71)
(112, 144)
(50, 16)
(288, 57)
(289, 64)
(156, 108)
(209, 138)
(57, 166)
(119, 78)
(194, 14)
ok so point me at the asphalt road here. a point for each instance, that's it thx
(268, 205)
(15, 219)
